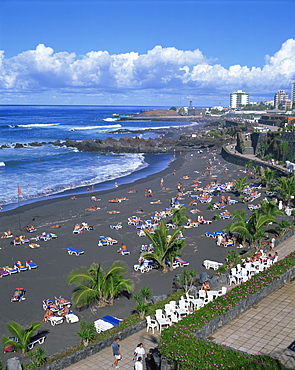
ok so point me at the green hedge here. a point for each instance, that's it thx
(180, 345)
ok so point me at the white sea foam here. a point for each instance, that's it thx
(2, 164)
(37, 125)
(94, 127)
(109, 119)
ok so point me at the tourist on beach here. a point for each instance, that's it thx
(122, 249)
(138, 364)
(48, 314)
(116, 352)
(162, 182)
(65, 311)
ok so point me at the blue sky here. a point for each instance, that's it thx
(155, 52)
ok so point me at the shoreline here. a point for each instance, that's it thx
(98, 187)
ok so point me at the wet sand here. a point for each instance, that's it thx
(49, 279)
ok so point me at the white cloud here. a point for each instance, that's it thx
(161, 68)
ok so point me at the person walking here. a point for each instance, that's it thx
(139, 352)
(116, 352)
(138, 364)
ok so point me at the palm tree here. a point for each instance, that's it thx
(269, 209)
(241, 184)
(287, 188)
(166, 247)
(251, 230)
(268, 176)
(178, 215)
(96, 285)
(23, 335)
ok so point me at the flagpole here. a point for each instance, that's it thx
(18, 194)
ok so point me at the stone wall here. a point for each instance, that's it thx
(242, 161)
(92, 349)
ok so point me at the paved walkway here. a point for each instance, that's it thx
(104, 359)
(267, 327)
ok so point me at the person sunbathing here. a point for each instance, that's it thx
(7, 234)
(122, 249)
(113, 212)
(77, 227)
(193, 202)
(17, 294)
(47, 315)
(65, 311)
(34, 245)
(61, 300)
(196, 210)
(92, 208)
(132, 191)
(55, 226)
(30, 229)
(51, 305)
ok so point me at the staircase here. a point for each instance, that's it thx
(248, 144)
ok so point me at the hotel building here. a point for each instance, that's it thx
(238, 98)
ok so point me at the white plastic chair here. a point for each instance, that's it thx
(222, 291)
(159, 314)
(232, 279)
(151, 324)
(202, 294)
(168, 310)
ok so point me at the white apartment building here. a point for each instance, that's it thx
(293, 93)
(238, 98)
(279, 99)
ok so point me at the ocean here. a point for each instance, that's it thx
(35, 173)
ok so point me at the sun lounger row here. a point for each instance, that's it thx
(70, 318)
(18, 266)
(105, 323)
(43, 237)
(59, 303)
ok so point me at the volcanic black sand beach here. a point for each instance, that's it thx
(54, 263)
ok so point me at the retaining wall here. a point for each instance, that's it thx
(241, 160)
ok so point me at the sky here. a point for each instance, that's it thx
(137, 52)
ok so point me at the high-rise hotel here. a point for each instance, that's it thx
(238, 98)
(293, 94)
(282, 101)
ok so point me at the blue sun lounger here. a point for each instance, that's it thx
(74, 251)
(112, 320)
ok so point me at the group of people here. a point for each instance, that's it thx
(139, 356)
